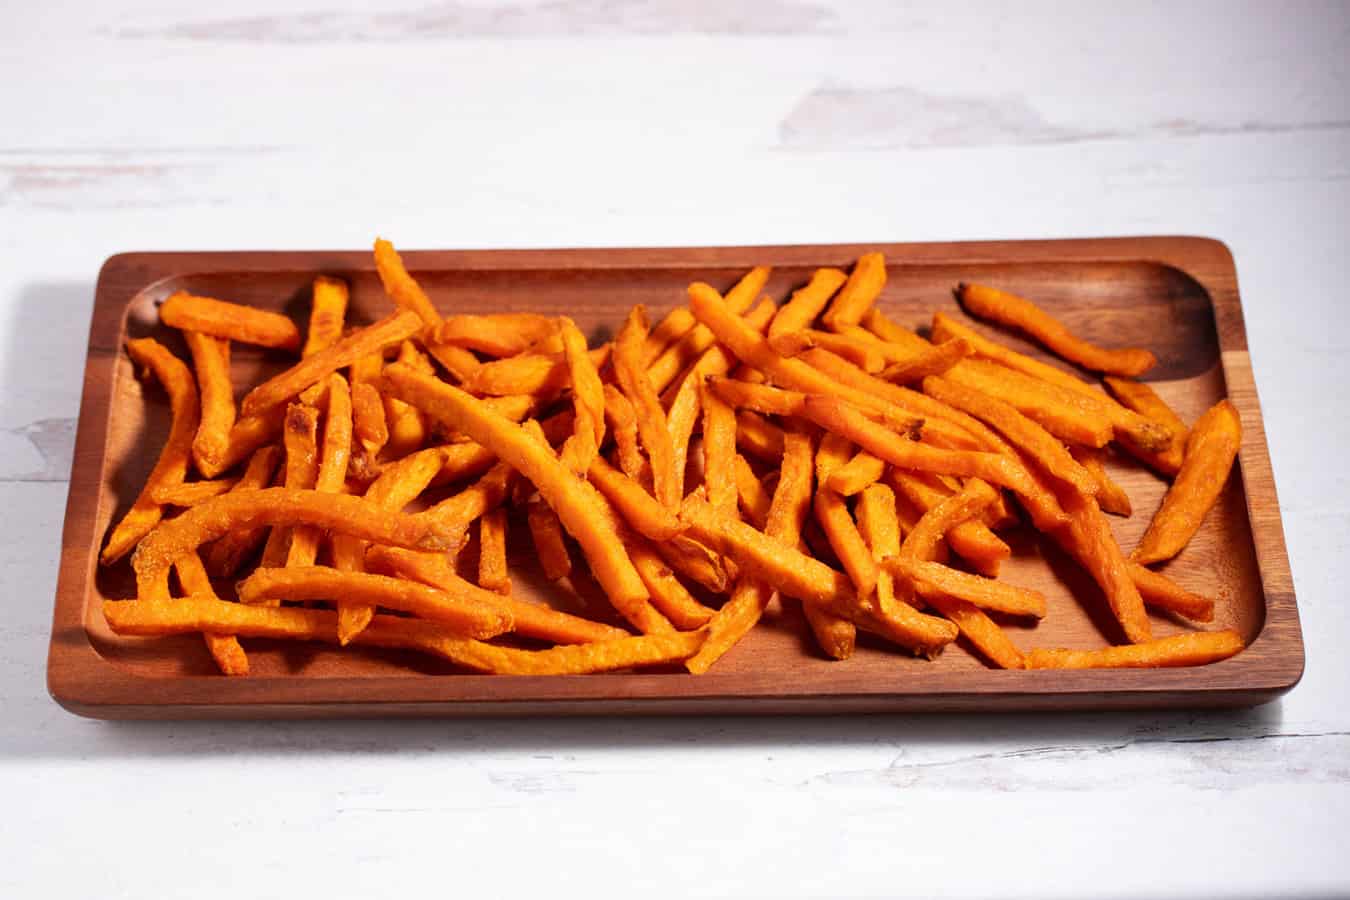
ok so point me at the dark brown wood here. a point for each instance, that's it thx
(1175, 295)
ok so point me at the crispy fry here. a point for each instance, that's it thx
(225, 556)
(1210, 451)
(670, 597)
(637, 507)
(807, 302)
(854, 476)
(458, 512)
(623, 427)
(931, 578)
(224, 648)
(312, 369)
(1022, 432)
(531, 620)
(493, 574)
(982, 631)
(696, 562)
(885, 329)
(933, 362)
(569, 497)
(651, 416)
(232, 321)
(719, 453)
(546, 532)
(697, 339)
(866, 355)
(539, 374)
(588, 399)
(248, 434)
(753, 499)
(1110, 496)
(192, 614)
(171, 467)
(972, 539)
(1144, 400)
(370, 428)
(1088, 537)
(495, 334)
(761, 438)
(327, 314)
(463, 607)
(835, 635)
(211, 361)
(937, 521)
(859, 293)
(1067, 415)
(190, 493)
(1009, 309)
(880, 527)
(1161, 592)
(1197, 648)
(331, 475)
(408, 295)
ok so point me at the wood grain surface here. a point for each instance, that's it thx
(1177, 296)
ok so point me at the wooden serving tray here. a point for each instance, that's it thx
(1175, 295)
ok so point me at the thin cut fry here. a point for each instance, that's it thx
(531, 620)
(1110, 496)
(327, 314)
(459, 511)
(885, 329)
(492, 571)
(248, 434)
(539, 374)
(232, 321)
(224, 648)
(211, 361)
(859, 293)
(404, 290)
(835, 635)
(673, 360)
(982, 632)
(934, 362)
(759, 437)
(313, 369)
(1197, 648)
(193, 614)
(1067, 415)
(1210, 451)
(1022, 432)
(696, 562)
(854, 476)
(922, 540)
(651, 416)
(637, 507)
(588, 400)
(1161, 592)
(929, 578)
(172, 465)
(190, 493)
(331, 475)
(807, 302)
(753, 499)
(669, 596)
(1144, 400)
(569, 498)
(370, 428)
(623, 427)
(972, 539)
(719, 453)
(546, 532)
(1090, 540)
(495, 334)
(225, 556)
(866, 355)
(464, 608)
(1009, 309)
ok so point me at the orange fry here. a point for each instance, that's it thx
(759, 437)
(933, 362)
(1161, 592)
(232, 321)
(719, 453)
(623, 427)
(835, 635)
(696, 562)
(211, 361)
(753, 499)
(859, 293)
(637, 507)
(972, 539)
(1009, 309)
(370, 428)
(651, 416)
(1144, 400)
(495, 334)
(248, 434)
(1210, 451)
(866, 355)
(929, 578)
(225, 556)
(408, 295)
(922, 541)
(331, 475)
(224, 648)
(854, 476)
(172, 465)
(1197, 648)
(662, 368)
(493, 574)
(877, 323)
(670, 597)
(459, 511)
(327, 314)
(313, 369)
(1110, 496)
(807, 302)
(1089, 538)
(546, 532)
(1067, 415)
(190, 493)
(588, 400)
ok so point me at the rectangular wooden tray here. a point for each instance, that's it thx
(1175, 295)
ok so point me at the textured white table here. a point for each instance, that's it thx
(583, 122)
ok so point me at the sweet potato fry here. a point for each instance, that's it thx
(1067, 415)
(623, 427)
(931, 578)
(531, 620)
(458, 512)
(696, 562)
(225, 556)
(492, 571)
(1144, 400)
(759, 437)
(683, 405)
(224, 648)
(370, 428)
(1161, 592)
(190, 493)
(651, 416)
(1210, 451)
(331, 475)
(855, 475)
(1197, 648)
(637, 507)
(753, 499)
(1089, 539)
(408, 295)
(327, 314)
(982, 632)
(719, 453)
(922, 540)
(696, 340)
(835, 635)
(312, 369)
(588, 400)
(668, 595)
(546, 532)
(211, 362)
(863, 354)
(972, 539)
(464, 608)
(171, 467)
(807, 302)
(131, 617)
(1110, 496)
(933, 362)
(495, 334)
(1017, 312)
(248, 434)
(877, 323)
(859, 293)
(1029, 437)
(232, 321)
(570, 499)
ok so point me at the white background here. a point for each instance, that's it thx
(293, 124)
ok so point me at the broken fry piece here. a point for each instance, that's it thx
(327, 314)
(492, 572)
(546, 532)
(858, 294)
(1110, 496)
(807, 302)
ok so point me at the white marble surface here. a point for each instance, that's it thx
(316, 123)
